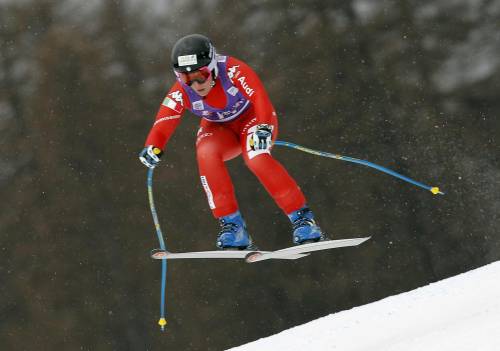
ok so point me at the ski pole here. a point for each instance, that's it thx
(433, 189)
(162, 322)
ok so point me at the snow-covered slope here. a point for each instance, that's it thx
(459, 313)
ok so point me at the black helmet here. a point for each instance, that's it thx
(193, 52)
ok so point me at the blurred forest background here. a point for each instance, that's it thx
(410, 85)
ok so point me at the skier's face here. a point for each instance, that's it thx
(199, 80)
(204, 88)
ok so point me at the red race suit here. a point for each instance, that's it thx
(235, 105)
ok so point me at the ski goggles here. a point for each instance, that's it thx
(201, 75)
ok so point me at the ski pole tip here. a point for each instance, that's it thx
(435, 190)
(162, 323)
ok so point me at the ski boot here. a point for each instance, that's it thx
(234, 235)
(305, 229)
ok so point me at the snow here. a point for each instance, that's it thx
(459, 313)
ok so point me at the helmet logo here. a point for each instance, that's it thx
(187, 60)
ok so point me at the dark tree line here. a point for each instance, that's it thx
(411, 85)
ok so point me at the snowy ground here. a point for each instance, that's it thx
(459, 313)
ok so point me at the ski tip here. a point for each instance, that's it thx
(435, 190)
(158, 254)
(162, 323)
(366, 238)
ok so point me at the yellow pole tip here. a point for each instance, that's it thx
(435, 190)
(162, 322)
(156, 151)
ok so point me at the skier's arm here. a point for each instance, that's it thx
(248, 82)
(168, 117)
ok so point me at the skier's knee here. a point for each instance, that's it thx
(257, 162)
(206, 152)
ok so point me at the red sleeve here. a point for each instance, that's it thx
(168, 116)
(247, 81)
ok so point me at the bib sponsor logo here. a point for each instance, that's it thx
(234, 110)
(245, 86)
(232, 91)
(198, 105)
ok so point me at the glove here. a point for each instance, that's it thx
(150, 156)
(262, 137)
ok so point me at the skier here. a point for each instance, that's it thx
(237, 117)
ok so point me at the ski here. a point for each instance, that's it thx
(290, 253)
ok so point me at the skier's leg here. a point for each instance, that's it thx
(271, 173)
(214, 145)
(281, 186)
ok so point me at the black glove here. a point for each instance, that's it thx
(262, 137)
(150, 156)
